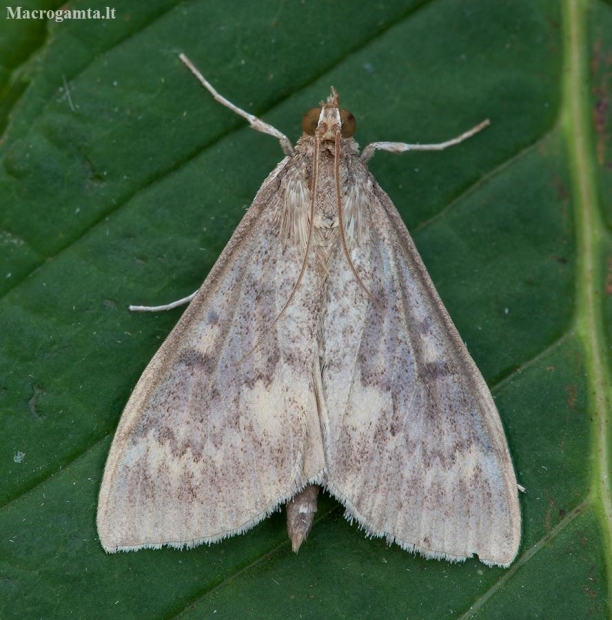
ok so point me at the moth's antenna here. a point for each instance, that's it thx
(341, 221)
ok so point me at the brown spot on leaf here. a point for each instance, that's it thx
(571, 390)
(600, 76)
(608, 285)
(33, 401)
(560, 188)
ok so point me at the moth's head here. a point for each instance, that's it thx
(329, 120)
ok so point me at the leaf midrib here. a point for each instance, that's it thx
(590, 238)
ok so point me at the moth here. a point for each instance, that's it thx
(316, 353)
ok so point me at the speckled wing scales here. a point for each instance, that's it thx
(415, 446)
(222, 426)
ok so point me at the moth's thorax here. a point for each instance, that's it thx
(298, 185)
(306, 144)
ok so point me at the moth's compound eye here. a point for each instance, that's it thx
(349, 124)
(310, 120)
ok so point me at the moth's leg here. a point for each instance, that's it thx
(255, 122)
(401, 147)
(300, 515)
(174, 304)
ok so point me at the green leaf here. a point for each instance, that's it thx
(122, 180)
